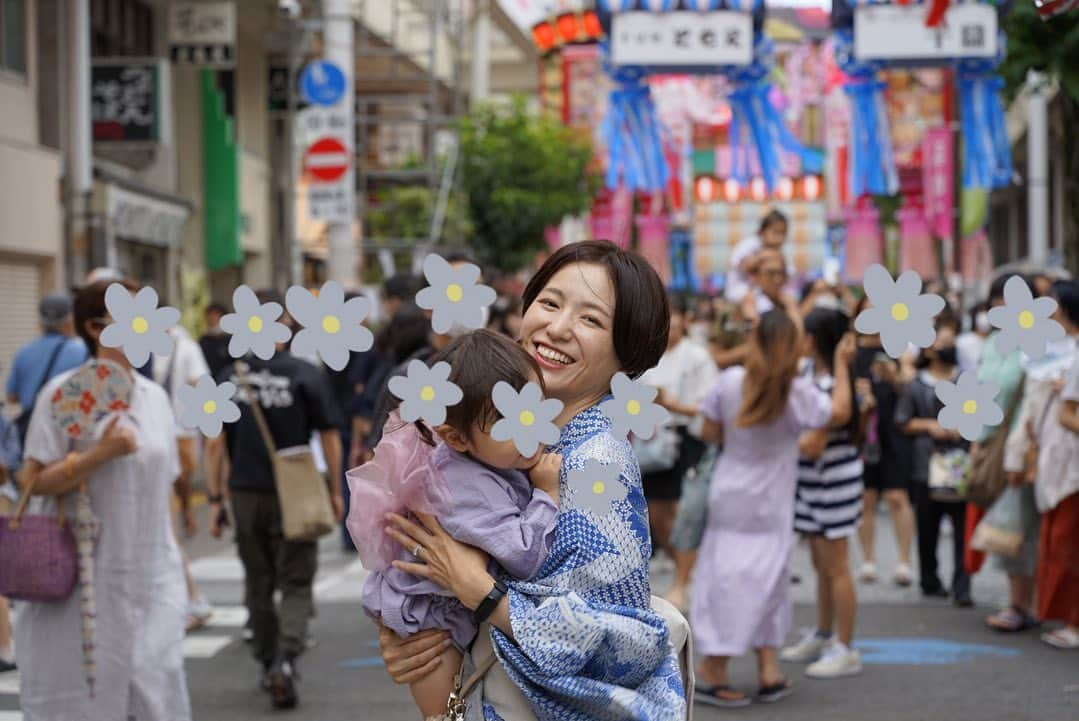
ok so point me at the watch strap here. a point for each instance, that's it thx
(490, 603)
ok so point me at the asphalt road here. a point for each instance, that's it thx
(924, 660)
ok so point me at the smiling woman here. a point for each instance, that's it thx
(591, 311)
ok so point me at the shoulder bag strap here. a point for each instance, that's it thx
(1013, 406)
(256, 408)
(455, 706)
(16, 516)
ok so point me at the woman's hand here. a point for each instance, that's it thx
(441, 558)
(845, 350)
(117, 440)
(410, 659)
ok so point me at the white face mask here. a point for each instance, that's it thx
(981, 322)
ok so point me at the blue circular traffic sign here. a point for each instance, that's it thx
(322, 83)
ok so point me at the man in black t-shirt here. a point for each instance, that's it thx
(296, 400)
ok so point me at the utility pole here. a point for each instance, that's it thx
(340, 50)
(81, 153)
(481, 53)
(1037, 170)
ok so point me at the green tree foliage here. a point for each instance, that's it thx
(522, 173)
(1051, 47)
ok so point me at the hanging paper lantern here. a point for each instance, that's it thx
(732, 190)
(758, 190)
(785, 189)
(706, 189)
(811, 187)
(543, 35)
(591, 24)
(568, 28)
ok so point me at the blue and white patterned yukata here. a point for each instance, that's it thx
(587, 644)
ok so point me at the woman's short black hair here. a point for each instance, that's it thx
(642, 315)
(1067, 294)
(90, 304)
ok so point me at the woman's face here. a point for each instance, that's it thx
(568, 330)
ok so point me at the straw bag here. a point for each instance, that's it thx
(38, 560)
(306, 511)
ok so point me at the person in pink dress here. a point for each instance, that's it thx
(740, 598)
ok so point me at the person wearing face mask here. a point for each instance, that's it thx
(916, 414)
(970, 343)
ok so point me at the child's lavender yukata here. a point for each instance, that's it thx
(495, 510)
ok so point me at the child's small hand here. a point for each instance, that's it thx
(545, 474)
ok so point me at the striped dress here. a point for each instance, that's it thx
(828, 501)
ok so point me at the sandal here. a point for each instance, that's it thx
(722, 696)
(776, 691)
(1011, 620)
(1062, 638)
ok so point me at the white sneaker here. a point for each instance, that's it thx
(904, 575)
(837, 661)
(868, 572)
(808, 649)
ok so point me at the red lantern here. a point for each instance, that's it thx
(732, 190)
(543, 35)
(568, 27)
(811, 187)
(592, 27)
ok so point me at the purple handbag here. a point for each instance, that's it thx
(38, 560)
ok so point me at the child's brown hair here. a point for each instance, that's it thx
(478, 361)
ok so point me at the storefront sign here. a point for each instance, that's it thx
(149, 220)
(203, 33)
(682, 38)
(126, 101)
(898, 32)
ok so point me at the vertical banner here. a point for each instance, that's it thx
(938, 174)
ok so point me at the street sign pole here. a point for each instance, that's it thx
(339, 50)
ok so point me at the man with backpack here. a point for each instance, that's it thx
(57, 350)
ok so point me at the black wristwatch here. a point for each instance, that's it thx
(488, 605)
(215, 499)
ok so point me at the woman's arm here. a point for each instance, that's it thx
(841, 395)
(63, 476)
(712, 431)
(1069, 415)
(811, 444)
(455, 566)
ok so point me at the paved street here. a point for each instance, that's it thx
(924, 660)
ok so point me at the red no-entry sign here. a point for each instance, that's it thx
(326, 160)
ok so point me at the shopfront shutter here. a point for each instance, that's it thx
(20, 291)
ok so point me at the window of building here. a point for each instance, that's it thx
(13, 35)
(121, 28)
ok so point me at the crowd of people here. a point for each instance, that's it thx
(784, 423)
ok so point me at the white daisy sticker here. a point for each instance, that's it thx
(331, 326)
(527, 418)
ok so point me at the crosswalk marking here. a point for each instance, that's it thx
(227, 617)
(205, 645)
(9, 683)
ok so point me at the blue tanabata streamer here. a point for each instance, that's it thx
(987, 158)
(631, 132)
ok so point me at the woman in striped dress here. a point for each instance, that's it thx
(828, 508)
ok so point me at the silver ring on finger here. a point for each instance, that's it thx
(416, 551)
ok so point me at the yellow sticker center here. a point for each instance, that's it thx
(633, 408)
(598, 487)
(427, 393)
(970, 407)
(454, 292)
(209, 408)
(331, 324)
(1026, 320)
(900, 311)
(527, 418)
(254, 324)
(139, 325)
